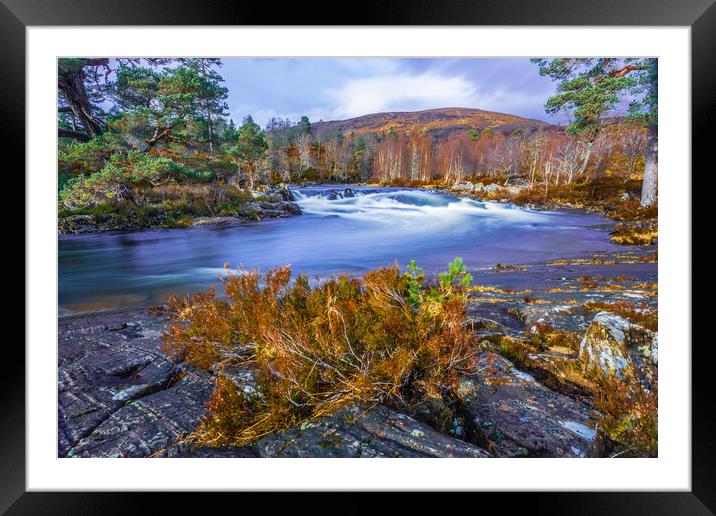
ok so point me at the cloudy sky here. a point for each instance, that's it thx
(339, 88)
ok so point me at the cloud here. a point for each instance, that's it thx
(340, 88)
(399, 92)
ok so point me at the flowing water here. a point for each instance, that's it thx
(336, 233)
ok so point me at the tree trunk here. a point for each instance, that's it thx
(71, 84)
(649, 183)
(211, 132)
(208, 112)
(587, 153)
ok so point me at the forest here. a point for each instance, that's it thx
(152, 138)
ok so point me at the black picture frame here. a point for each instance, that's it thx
(700, 15)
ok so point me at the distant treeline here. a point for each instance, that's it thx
(129, 128)
(296, 152)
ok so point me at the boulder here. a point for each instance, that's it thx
(516, 181)
(266, 210)
(561, 372)
(566, 317)
(463, 186)
(511, 414)
(77, 224)
(614, 349)
(603, 350)
(354, 431)
(216, 221)
(274, 193)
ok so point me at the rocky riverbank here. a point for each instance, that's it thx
(612, 197)
(549, 335)
(269, 202)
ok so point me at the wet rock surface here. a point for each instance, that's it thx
(77, 224)
(354, 432)
(512, 414)
(120, 396)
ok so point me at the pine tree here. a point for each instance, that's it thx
(592, 87)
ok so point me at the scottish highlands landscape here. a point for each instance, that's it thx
(357, 257)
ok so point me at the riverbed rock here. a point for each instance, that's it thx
(150, 425)
(566, 317)
(616, 350)
(216, 221)
(77, 224)
(560, 371)
(463, 186)
(279, 190)
(603, 350)
(354, 431)
(511, 414)
(265, 210)
(118, 394)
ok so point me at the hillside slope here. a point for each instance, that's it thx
(438, 123)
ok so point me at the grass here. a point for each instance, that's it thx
(381, 337)
(630, 235)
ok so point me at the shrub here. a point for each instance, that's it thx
(631, 235)
(629, 416)
(135, 169)
(384, 336)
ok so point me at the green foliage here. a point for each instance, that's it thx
(475, 134)
(79, 158)
(133, 169)
(456, 274)
(591, 87)
(249, 146)
(304, 125)
(175, 102)
(414, 279)
(452, 284)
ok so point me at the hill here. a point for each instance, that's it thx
(438, 123)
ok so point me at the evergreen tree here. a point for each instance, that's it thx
(591, 87)
(214, 95)
(248, 148)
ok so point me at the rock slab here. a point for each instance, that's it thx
(511, 414)
(354, 432)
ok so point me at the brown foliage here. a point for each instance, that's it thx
(629, 416)
(643, 315)
(316, 347)
(544, 336)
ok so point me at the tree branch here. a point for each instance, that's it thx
(69, 133)
(621, 72)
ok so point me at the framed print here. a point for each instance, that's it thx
(440, 248)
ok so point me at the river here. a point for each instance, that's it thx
(335, 234)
